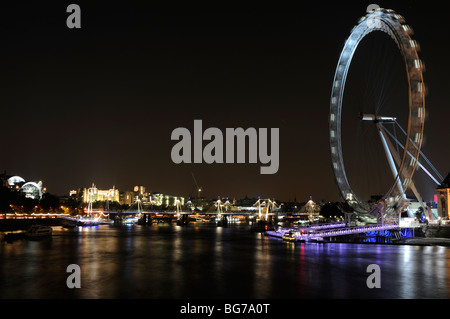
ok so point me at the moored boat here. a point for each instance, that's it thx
(289, 236)
(87, 222)
(14, 235)
(38, 231)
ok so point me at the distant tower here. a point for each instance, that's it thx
(443, 192)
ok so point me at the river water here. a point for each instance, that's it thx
(203, 261)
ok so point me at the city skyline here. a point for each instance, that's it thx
(224, 158)
(99, 104)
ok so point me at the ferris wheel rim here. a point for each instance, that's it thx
(393, 24)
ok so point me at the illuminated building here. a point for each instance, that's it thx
(139, 189)
(15, 180)
(101, 195)
(443, 192)
(73, 193)
(30, 189)
(76, 194)
(126, 198)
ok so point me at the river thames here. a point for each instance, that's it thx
(164, 261)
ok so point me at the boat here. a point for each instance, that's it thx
(68, 223)
(87, 222)
(130, 220)
(38, 231)
(289, 236)
(261, 226)
(71, 222)
(14, 235)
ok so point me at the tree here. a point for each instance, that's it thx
(329, 210)
(49, 202)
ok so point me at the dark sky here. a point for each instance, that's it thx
(98, 104)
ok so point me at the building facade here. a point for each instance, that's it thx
(94, 194)
(30, 189)
(126, 198)
(129, 198)
(443, 198)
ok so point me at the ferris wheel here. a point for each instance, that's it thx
(404, 163)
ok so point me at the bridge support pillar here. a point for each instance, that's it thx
(145, 219)
(183, 220)
(118, 219)
(222, 221)
(273, 219)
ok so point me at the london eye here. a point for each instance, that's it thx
(383, 111)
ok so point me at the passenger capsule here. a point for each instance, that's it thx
(407, 29)
(414, 45)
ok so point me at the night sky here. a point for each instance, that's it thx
(98, 104)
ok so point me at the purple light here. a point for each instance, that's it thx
(332, 233)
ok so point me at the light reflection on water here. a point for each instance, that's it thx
(201, 261)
